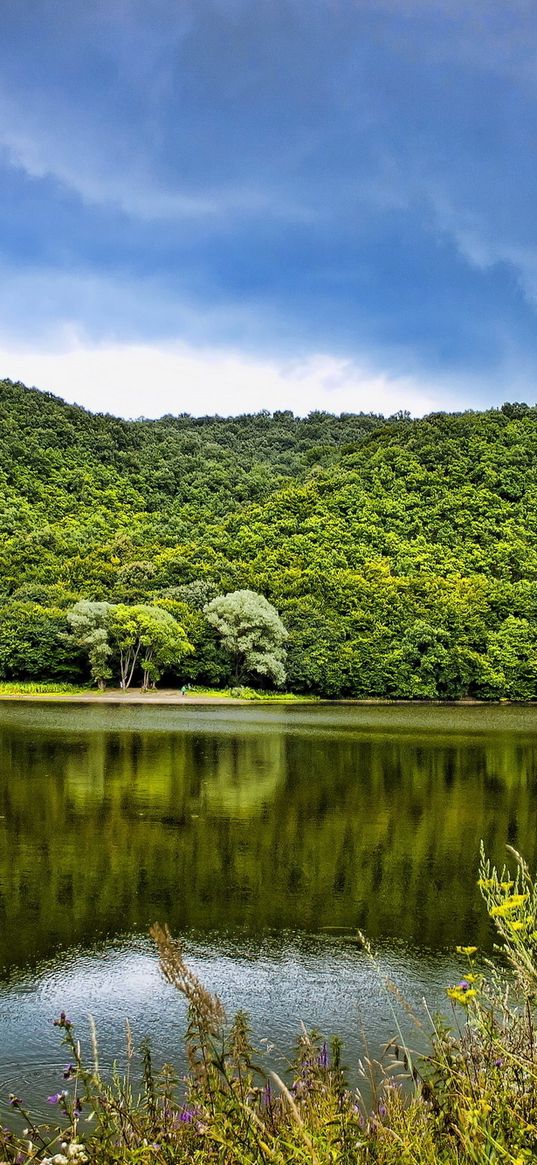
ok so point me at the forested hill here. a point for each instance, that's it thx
(59, 454)
(402, 555)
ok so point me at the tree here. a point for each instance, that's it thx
(512, 659)
(34, 643)
(252, 631)
(149, 636)
(89, 624)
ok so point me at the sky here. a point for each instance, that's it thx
(222, 206)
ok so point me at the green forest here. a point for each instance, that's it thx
(400, 554)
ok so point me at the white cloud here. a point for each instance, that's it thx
(146, 380)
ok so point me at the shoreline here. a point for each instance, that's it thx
(171, 697)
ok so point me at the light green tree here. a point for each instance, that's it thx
(251, 630)
(148, 636)
(90, 629)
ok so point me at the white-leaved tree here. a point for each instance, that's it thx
(90, 628)
(251, 630)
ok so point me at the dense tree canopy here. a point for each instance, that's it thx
(400, 555)
(252, 632)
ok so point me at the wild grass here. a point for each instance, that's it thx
(245, 693)
(45, 687)
(37, 688)
(472, 1099)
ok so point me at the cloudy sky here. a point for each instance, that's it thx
(228, 205)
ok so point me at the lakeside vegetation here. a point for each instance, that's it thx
(48, 688)
(472, 1098)
(400, 555)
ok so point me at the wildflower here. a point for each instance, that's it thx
(63, 1021)
(323, 1057)
(76, 1152)
(56, 1097)
(506, 885)
(512, 903)
(485, 883)
(462, 992)
(14, 1100)
(468, 951)
(187, 1115)
(518, 924)
(498, 1063)
(68, 1071)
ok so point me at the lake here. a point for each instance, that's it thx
(265, 836)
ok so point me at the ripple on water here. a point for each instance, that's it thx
(279, 981)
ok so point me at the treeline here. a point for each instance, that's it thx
(401, 555)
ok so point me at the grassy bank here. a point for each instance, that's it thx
(471, 1099)
(165, 695)
(37, 688)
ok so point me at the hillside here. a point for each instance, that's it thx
(402, 555)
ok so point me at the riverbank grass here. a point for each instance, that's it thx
(471, 1100)
(46, 688)
(38, 688)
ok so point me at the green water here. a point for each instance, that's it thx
(250, 831)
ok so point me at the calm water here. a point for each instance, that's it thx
(253, 832)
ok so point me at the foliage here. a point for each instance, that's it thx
(89, 624)
(38, 688)
(401, 555)
(34, 642)
(145, 634)
(253, 633)
(471, 1099)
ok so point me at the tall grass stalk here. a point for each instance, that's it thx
(471, 1100)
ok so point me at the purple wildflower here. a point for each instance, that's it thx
(68, 1071)
(63, 1021)
(382, 1111)
(187, 1115)
(323, 1057)
(498, 1063)
(266, 1098)
(56, 1097)
(463, 985)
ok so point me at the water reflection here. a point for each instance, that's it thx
(219, 821)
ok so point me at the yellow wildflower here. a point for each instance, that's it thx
(512, 903)
(461, 994)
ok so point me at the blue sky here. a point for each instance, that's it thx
(227, 205)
